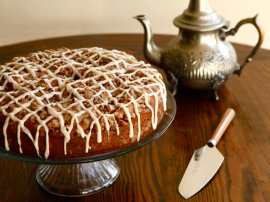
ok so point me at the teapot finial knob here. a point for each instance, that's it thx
(200, 6)
(199, 16)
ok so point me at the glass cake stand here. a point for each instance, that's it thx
(87, 175)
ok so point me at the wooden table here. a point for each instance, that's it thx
(153, 172)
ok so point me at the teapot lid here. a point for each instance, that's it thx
(199, 16)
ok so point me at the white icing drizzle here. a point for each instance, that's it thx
(60, 89)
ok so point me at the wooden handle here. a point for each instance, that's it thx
(222, 126)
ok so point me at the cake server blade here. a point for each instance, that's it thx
(204, 164)
(205, 161)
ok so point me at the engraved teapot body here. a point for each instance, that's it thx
(200, 57)
(199, 60)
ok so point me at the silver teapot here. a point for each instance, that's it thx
(200, 57)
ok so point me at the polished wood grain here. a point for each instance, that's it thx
(153, 172)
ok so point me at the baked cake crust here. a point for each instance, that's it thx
(77, 102)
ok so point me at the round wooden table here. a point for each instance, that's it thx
(153, 172)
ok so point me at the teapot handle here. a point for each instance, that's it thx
(234, 30)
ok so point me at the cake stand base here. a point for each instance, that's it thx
(75, 180)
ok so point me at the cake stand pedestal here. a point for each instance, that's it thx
(77, 179)
(82, 176)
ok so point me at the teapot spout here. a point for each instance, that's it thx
(151, 52)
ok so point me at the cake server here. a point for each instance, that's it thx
(205, 161)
